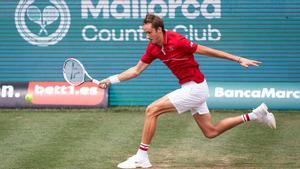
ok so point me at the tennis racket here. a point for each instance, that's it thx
(75, 73)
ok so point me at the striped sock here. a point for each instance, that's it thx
(142, 151)
(248, 117)
(144, 147)
(245, 117)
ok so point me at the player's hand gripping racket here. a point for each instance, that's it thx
(75, 73)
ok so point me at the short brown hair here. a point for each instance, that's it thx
(155, 20)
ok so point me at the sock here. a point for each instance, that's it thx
(249, 117)
(142, 151)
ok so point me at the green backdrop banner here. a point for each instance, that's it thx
(106, 35)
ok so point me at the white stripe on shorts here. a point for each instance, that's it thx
(191, 96)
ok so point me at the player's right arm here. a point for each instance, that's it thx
(126, 75)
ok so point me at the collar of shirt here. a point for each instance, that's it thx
(165, 43)
(165, 38)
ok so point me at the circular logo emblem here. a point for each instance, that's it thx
(42, 18)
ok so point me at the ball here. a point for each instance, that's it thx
(28, 98)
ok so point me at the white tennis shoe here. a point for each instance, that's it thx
(133, 162)
(265, 117)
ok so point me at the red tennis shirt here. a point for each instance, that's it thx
(177, 53)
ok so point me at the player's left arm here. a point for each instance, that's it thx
(203, 50)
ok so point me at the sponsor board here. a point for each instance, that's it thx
(221, 92)
(223, 95)
(241, 95)
(12, 95)
(51, 94)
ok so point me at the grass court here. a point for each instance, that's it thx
(101, 138)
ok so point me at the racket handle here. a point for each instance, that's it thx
(96, 81)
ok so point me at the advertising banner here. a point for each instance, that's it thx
(222, 95)
(51, 94)
(239, 95)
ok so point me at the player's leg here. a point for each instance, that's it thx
(140, 159)
(158, 107)
(210, 130)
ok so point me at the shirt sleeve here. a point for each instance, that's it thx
(148, 57)
(187, 45)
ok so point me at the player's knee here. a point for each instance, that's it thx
(210, 136)
(211, 133)
(152, 111)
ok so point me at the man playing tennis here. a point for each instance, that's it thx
(176, 52)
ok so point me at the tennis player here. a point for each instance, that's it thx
(176, 52)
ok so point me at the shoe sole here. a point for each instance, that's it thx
(138, 166)
(272, 120)
(270, 116)
(148, 166)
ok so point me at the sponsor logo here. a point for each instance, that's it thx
(61, 93)
(220, 92)
(8, 91)
(42, 25)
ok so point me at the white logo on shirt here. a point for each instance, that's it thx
(191, 44)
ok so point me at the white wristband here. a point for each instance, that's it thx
(114, 79)
(239, 59)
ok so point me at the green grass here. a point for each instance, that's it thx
(99, 139)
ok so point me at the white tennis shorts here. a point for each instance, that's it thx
(191, 96)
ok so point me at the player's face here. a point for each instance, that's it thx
(154, 35)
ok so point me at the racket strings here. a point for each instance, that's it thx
(74, 73)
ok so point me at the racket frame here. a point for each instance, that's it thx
(84, 72)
